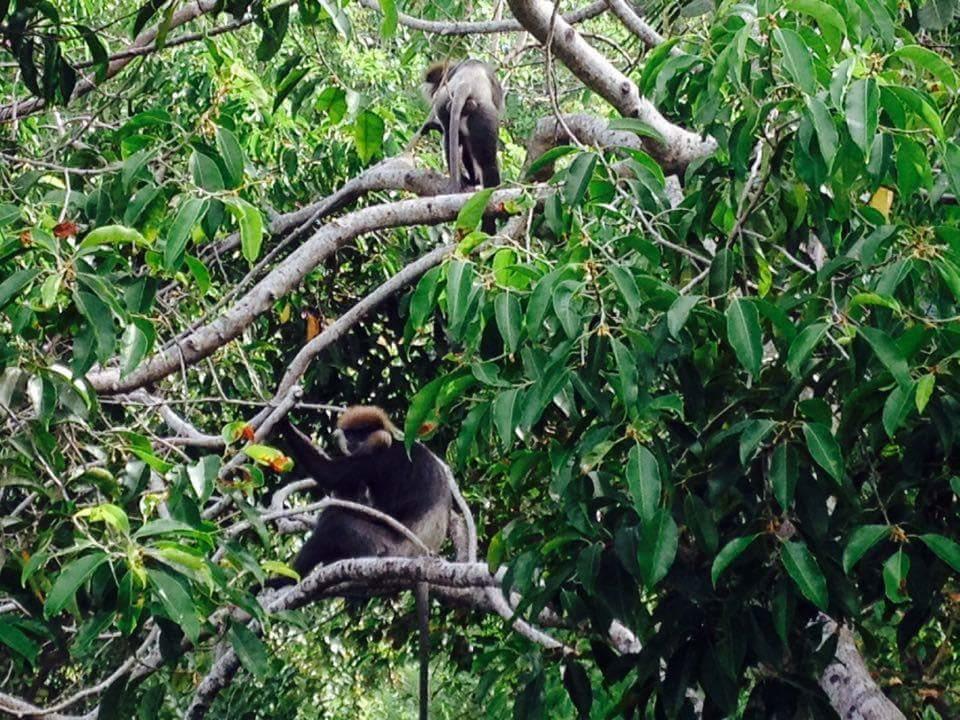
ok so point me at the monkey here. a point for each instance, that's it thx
(375, 471)
(466, 102)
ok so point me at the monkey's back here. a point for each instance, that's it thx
(415, 491)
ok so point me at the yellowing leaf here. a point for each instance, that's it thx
(882, 200)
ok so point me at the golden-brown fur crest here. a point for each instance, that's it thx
(365, 417)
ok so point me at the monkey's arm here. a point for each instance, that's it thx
(341, 474)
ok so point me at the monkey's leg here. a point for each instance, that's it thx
(421, 593)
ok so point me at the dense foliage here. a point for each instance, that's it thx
(712, 420)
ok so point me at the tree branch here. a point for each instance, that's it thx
(282, 279)
(679, 147)
(467, 27)
(190, 11)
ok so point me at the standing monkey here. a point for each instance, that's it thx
(466, 100)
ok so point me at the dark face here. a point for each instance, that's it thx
(360, 440)
(352, 440)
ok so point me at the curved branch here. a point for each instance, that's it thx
(679, 147)
(284, 278)
(368, 570)
(396, 173)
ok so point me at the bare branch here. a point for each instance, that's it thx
(467, 27)
(301, 361)
(206, 340)
(634, 23)
(679, 147)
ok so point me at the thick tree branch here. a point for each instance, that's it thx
(679, 147)
(373, 571)
(847, 682)
(206, 340)
(396, 173)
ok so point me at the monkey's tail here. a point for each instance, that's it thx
(421, 593)
(454, 161)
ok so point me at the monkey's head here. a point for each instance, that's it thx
(364, 429)
(433, 77)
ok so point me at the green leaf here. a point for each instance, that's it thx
(578, 179)
(797, 59)
(657, 547)
(928, 60)
(205, 173)
(827, 135)
(162, 526)
(627, 388)
(565, 309)
(509, 318)
(743, 334)
(16, 640)
(803, 346)
(504, 406)
(888, 354)
(14, 284)
(232, 155)
(203, 476)
(471, 213)
(895, 571)
(936, 14)
(862, 109)
(924, 391)
(70, 578)
(424, 297)
(368, 135)
(730, 552)
(421, 409)
(944, 548)
(805, 572)
(136, 342)
(106, 513)
(679, 312)
(643, 481)
(188, 215)
(176, 600)
(250, 649)
(100, 317)
(390, 17)
(896, 409)
(627, 286)
(824, 449)
(251, 227)
(828, 19)
(200, 273)
(133, 165)
(751, 437)
(783, 474)
(861, 540)
(460, 277)
(113, 235)
(263, 454)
